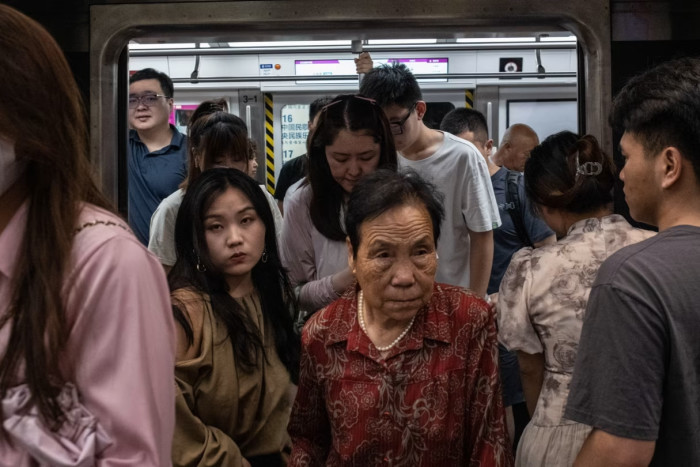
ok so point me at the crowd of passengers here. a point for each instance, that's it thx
(425, 300)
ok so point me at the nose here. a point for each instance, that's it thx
(354, 169)
(403, 273)
(233, 237)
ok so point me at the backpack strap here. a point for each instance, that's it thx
(514, 207)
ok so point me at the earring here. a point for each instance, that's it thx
(264, 256)
(200, 266)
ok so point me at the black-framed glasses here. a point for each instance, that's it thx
(397, 127)
(149, 100)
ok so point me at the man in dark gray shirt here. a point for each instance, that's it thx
(637, 373)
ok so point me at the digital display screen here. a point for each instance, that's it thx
(345, 67)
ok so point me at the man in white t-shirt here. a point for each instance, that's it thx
(465, 248)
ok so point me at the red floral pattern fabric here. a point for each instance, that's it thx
(435, 400)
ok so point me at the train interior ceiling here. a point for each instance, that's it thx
(529, 77)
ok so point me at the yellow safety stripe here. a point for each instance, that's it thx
(269, 145)
(469, 98)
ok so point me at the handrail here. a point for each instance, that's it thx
(437, 47)
(240, 79)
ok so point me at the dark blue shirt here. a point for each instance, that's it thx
(152, 177)
(505, 238)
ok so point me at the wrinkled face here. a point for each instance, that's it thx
(519, 152)
(143, 117)
(641, 189)
(352, 155)
(396, 261)
(410, 128)
(235, 235)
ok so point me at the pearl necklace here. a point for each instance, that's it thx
(361, 318)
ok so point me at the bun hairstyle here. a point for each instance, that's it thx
(570, 172)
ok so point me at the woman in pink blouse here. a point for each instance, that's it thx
(400, 370)
(87, 339)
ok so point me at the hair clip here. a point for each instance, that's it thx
(590, 169)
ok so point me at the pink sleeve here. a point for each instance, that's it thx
(121, 350)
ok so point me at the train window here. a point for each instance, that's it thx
(435, 112)
(181, 116)
(545, 116)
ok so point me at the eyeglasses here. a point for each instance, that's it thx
(397, 127)
(149, 100)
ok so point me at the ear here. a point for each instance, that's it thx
(421, 108)
(489, 147)
(671, 162)
(351, 255)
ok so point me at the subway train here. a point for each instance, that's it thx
(270, 84)
(542, 60)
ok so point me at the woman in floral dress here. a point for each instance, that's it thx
(543, 296)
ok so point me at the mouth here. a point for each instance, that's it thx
(237, 257)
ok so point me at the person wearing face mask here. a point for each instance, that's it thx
(87, 337)
(216, 138)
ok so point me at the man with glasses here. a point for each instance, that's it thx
(453, 165)
(157, 151)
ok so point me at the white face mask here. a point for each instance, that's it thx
(10, 168)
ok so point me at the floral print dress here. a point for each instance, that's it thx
(541, 305)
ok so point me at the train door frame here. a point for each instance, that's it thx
(113, 25)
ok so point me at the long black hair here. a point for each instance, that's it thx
(269, 277)
(352, 113)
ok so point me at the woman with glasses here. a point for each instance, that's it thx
(352, 139)
(87, 337)
(216, 138)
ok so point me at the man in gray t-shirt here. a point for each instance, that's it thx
(637, 373)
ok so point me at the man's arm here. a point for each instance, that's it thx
(480, 260)
(604, 449)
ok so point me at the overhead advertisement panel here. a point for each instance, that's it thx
(346, 67)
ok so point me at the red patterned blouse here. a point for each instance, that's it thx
(434, 401)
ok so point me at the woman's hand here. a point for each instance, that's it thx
(244, 462)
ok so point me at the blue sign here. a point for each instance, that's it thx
(265, 65)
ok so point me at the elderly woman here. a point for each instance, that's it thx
(543, 296)
(400, 370)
